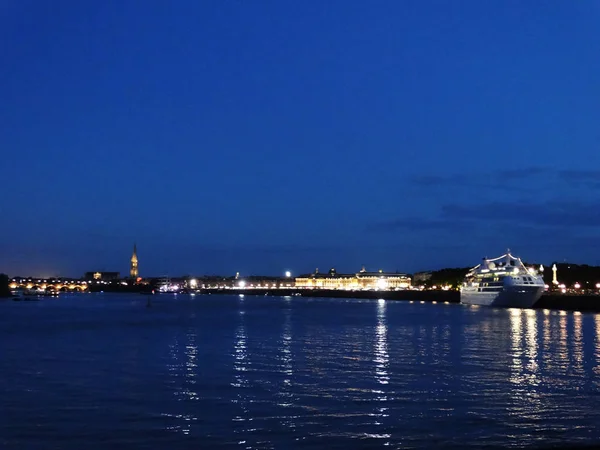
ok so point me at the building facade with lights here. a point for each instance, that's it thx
(105, 276)
(361, 280)
(48, 284)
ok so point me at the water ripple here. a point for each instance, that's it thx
(256, 372)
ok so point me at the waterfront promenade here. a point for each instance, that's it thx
(584, 303)
(558, 301)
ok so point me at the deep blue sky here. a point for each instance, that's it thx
(226, 136)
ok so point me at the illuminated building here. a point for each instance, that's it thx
(105, 276)
(133, 272)
(362, 280)
(248, 282)
(49, 284)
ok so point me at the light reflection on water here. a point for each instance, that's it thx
(240, 382)
(287, 398)
(577, 346)
(381, 360)
(182, 372)
(596, 368)
(271, 372)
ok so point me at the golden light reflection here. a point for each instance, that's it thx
(547, 339)
(597, 346)
(562, 347)
(525, 353)
(516, 367)
(531, 334)
(381, 352)
(577, 346)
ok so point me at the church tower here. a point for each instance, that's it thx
(133, 272)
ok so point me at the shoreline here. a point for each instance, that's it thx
(582, 303)
(562, 302)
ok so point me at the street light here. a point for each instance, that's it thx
(288, 274)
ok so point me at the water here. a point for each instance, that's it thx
(104, 371)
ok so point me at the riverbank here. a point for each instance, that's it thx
(583, 303)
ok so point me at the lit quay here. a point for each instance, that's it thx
(567, 286)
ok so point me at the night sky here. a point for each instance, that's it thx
(260, 136)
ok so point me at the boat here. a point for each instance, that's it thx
(503, 281)
(31, 294)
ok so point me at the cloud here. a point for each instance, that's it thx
(513, 179)
(467, 218)
(583, 178)
(419, 224)
(582, 175)
(526, 172)
(548, 214)
(500, 180)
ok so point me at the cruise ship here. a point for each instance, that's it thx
(502, 281)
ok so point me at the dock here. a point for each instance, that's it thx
(565, 302)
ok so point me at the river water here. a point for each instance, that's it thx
(104, 371)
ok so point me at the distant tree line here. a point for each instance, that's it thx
(4, 290)
(567, 273)
(444, 277)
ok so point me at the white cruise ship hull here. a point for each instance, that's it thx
(509, 297)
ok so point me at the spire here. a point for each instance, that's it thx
(133, 270)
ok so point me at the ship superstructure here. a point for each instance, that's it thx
(502, 281)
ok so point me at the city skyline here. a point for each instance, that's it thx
(257, 138)
(133, 272)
